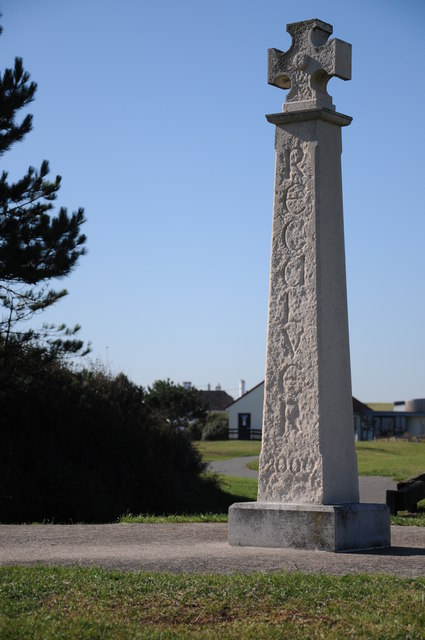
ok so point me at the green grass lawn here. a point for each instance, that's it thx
(245, 488)
(398, 460)
(47, 603)
(227, 449)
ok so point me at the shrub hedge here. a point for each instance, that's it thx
(81, 446)
(216, 426)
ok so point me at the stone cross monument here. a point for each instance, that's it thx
(308, 494)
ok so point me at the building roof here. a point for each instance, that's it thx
(216, 400)
(360, 407)
(245, 394)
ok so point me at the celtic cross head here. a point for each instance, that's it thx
(308, 65)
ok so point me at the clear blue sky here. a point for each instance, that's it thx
(153, 113)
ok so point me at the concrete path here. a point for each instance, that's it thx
(372, 488)
(194, 548)
(203, 547)
(234, 467)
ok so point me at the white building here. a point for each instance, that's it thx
(246, 415)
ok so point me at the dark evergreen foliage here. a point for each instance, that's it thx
(15, 92)
(35, 246)
(84, 447)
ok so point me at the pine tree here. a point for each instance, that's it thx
(35, 246)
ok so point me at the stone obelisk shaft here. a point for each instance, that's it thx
(308, 437)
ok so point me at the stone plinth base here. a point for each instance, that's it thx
(342, 527)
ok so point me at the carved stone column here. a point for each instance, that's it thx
(308, 435)
(308, 485)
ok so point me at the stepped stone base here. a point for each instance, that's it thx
(342, 527)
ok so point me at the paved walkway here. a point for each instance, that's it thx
(195, 548)
(204, 547)
(372, 488)
(234, 467)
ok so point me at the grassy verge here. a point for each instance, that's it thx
(245, 488)
(235, 489)
(146, 518)
(227, 449)
(68, 603)
(232, 489)
(409, 519)
(398, 460)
